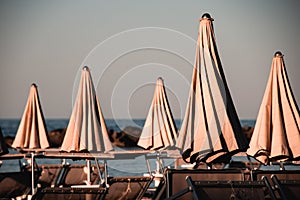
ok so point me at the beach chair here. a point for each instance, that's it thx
(133, 187)
(14, 184)
(160, 190)
(55, 175)
(219, 190)
(287, 189)
(52, 175)
(68, 182)
(176, 178)
(286, 183)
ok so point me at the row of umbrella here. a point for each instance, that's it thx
(86, 129)
(210, 131)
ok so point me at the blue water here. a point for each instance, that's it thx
(10, 126)
(135, 166)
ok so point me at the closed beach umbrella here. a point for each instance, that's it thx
(86, 130)
(159, 130)
(210, 131)
(276, 133)
(3, 146)
(32, 132)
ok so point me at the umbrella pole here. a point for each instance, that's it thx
(32, 174)
(158, 168)
(250, 162)
(88, 163)
(159, 163)
(105, 173)
(281, 166)
(148, 165)
(99, 171)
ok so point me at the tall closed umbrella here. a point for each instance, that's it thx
(210, 131)
(159, 130)
(276, 134)
(32, 132)
(86, 130)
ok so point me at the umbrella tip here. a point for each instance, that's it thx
(206, 15)
(34, 85)
(278, 53)
(85, 68)
(160, 79)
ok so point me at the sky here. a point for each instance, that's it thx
(129, 44)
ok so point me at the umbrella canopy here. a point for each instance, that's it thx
(3, 146)
(159, 130)
(211, 127)
(32, 132)
(276, 134)
(86, 130)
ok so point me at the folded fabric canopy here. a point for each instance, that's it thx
(159, 130)
(86, 130)
(210, 131)
(276, 133)
(32, 132)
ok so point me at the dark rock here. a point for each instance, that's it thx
(133, 133)
(3, 146)
(14, 184)
(115, 138)
(248, 131)
(56, 137)
(128, 137)
(9, 140)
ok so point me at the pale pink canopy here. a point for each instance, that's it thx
(86, 130)
(159, 130)
(32, 132)
(276, 133)
(210, 130)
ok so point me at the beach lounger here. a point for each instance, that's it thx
(287, 189)
(175, 178)
(281, 174)
(160, 190)
(14, 184)
(50, 173)
(219, 190)
(59, 181)
(285, 182)
(127, 187)
(55, 175)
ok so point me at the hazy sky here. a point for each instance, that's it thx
(129, 44)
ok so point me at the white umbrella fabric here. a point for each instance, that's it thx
(210, 131)
(86, 130)
(159, 131)
(32, 133)
(276, 134)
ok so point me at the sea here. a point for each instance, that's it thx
(126, 167)
(9, 127)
